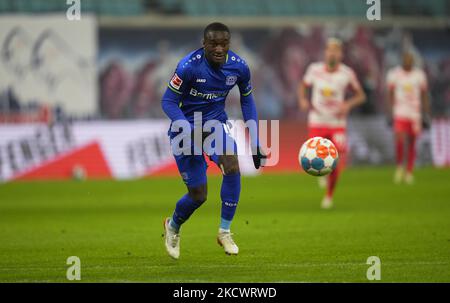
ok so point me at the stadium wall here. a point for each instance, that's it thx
(119, 69)
(47, 61)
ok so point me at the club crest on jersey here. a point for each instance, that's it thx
(176, 81)
(231, 80)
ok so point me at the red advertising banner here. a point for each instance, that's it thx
(135, 149)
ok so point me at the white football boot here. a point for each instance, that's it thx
(399, 174)
(327, 203)
(171, 240)
(409, 179)
(226, 241)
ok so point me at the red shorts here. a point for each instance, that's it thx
(410, 127)
(337, 135)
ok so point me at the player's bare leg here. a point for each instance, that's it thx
(185, 207)
(322, 181)
(230, 194)
(331, 181)
(327, 201)
(399, 149)
(409, 177)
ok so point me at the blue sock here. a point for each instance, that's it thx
(183, 210)
(229, 193)
(225, 224)
(174, 225)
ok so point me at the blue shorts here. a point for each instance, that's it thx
(193, 168)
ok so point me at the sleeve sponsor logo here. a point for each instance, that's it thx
(176, 81)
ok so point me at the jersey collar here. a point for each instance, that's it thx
(327, 69)
(204, 56)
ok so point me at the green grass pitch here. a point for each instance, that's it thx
(115, 228)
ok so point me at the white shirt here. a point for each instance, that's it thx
(328, 93)
(407, 87)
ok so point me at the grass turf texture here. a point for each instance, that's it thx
(116, 230)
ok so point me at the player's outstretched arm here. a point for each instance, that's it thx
(303, 102)
(250, 114)
(358, 98)
(390, 106)
(426, 105)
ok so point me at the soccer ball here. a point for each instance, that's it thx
(318, 156)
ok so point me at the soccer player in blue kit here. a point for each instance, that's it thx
(200, 85)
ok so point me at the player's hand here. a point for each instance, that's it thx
(344, 109)
(389, 122)
(426, 122)
(259, 158)
(304, 105)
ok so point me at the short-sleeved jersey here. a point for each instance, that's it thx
(204, 89)
(328, 93)
(407, 87)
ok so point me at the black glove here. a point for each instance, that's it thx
(426, 123)
(258, 159)
(389, 122)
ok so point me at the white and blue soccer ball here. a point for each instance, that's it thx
(318, 156)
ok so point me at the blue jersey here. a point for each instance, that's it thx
(202, 88)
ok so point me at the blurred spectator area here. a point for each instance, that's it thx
(342, 8)
(299, 7)
(102, 7)
(138, 52)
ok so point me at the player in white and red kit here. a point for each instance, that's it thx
(328, 82)
(408, 94)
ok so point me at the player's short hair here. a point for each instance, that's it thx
(407, 52)
(334, 40)
(215, 27)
